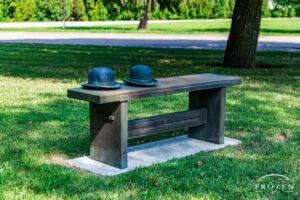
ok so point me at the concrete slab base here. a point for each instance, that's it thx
(151, 153)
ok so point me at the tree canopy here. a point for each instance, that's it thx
(95, 10)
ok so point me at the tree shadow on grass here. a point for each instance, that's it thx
(279, 31)
(213, 30)
(105, 28)
(71, 62)
(60, 126)
(227, 30)
(228, 173)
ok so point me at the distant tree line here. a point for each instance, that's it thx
(96, 10)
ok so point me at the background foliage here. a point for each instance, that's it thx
(94, 10)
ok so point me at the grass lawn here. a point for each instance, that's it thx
(286, 27)
(40, 126)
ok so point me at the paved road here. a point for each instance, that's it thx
(271, 43)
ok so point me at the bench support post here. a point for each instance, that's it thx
(214, 101)
(109, 133)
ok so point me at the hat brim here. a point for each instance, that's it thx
(97, 86)
(152, 83)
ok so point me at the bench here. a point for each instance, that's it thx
(110, 128)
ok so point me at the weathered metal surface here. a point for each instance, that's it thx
(214, 101)
(141, 75)
(165, 86)
(168, 122)
(108, 131)
(101, 78)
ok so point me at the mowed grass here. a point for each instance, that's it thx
(286, 27)
(40, 127)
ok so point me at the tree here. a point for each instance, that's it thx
(1, 13)
(52, 10)
(78, 11)
(241, 45)
(26, 11)
(91, 10)
(101, 11)
(286, 8)
(146, 16)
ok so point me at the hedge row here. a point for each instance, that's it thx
(95, 10)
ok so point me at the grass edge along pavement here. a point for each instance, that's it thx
(39, 125)
(279, 27)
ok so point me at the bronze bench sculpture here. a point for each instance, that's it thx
(110, 128)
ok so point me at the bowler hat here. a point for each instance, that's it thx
(101, 78)
(141, 75)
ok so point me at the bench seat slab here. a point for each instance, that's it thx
(166, 86)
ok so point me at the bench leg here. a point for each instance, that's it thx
(108, 132)
(214, 101)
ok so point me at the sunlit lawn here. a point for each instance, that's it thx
(40, 126)
(268, 27)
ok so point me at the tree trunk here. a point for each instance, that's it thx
(241, 45)
(146, 16)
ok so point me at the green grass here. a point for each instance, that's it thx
(269, 27)
(39, 125)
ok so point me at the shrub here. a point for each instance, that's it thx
(79, 11)
(266, 12)
(51, 10)
(1, 13)
(91, 10)
(101, 11)
(25, 11)
(276, 13)
(286, 8)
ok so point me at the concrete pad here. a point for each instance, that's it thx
(151, 153)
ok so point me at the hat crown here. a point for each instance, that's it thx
(101, 76)
(140, 73)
